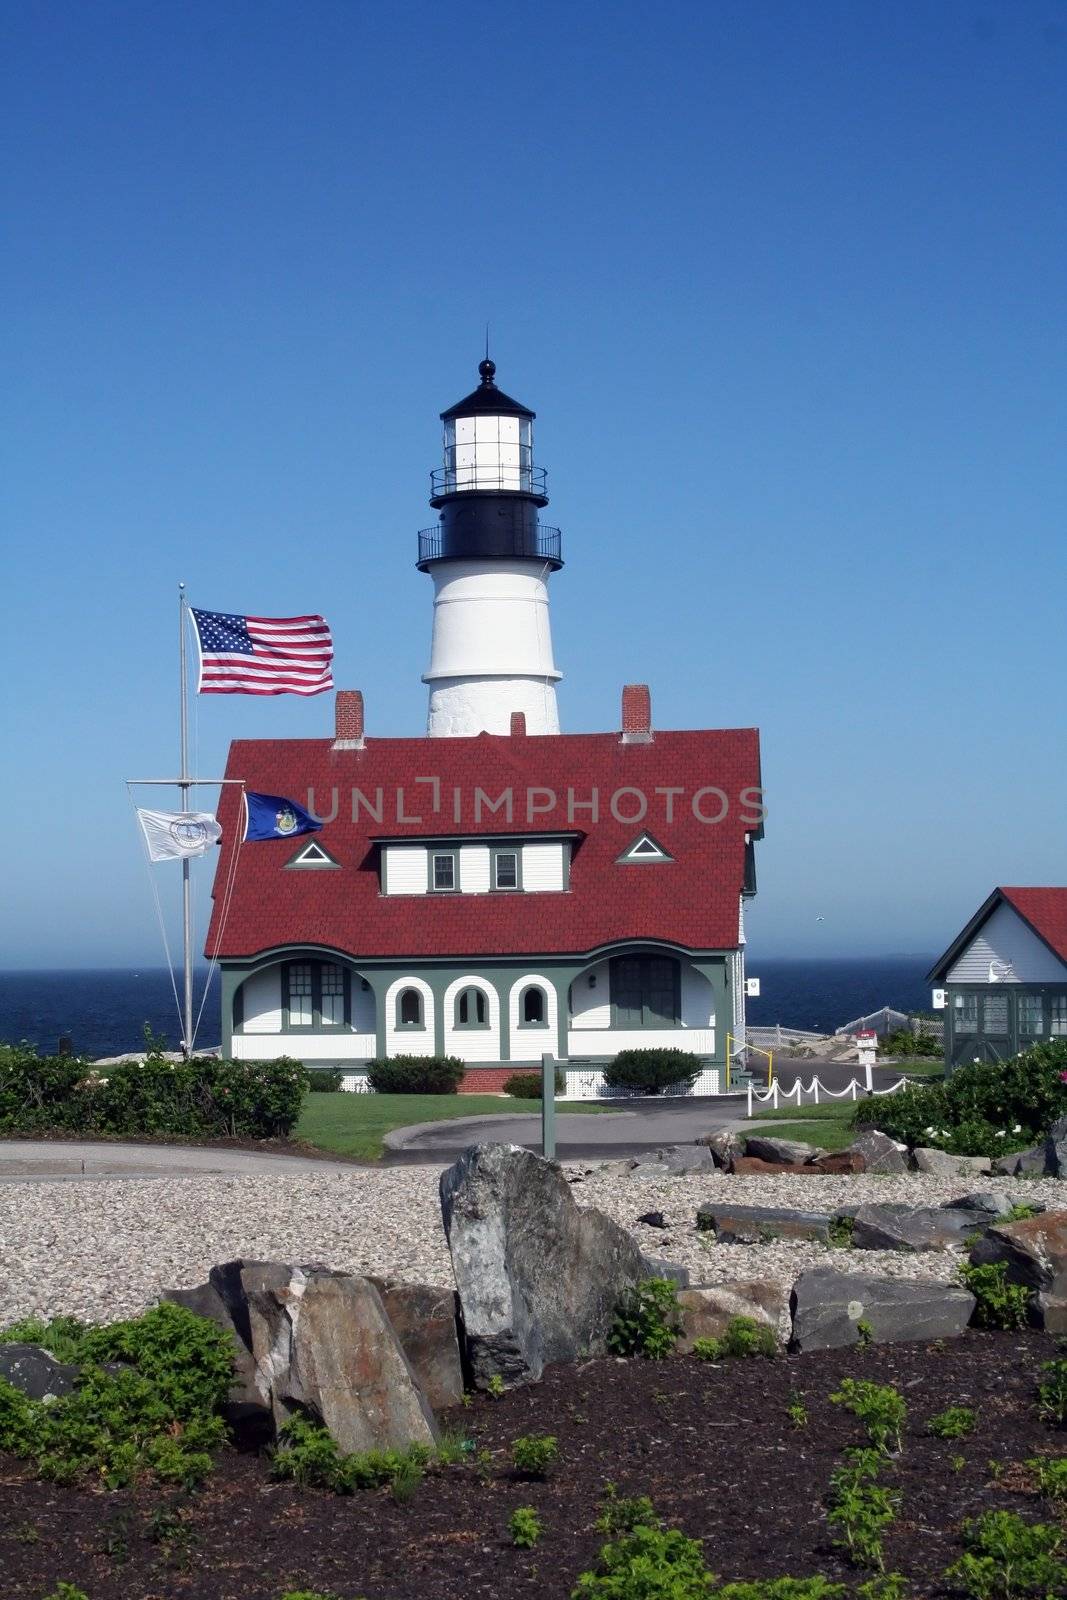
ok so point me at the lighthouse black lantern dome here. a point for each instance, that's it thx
(490, 558)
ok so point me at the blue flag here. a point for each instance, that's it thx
(271, 816)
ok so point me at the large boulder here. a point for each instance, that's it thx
(538, 1277)
(942, 1164)
(828, 1308)
(901, 1227)
(248, 1408)
(761, 1224)
(1030, 1163)
(880, 1153)
(331, 1350)
(1035, 1253)
(777, 1151)
(986, 1202)
(707, 1310)
(35, 1373)
(724, 1145)
(424, 1319)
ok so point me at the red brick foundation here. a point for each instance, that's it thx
(485, 1080)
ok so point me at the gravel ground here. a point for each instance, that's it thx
(106, 1248)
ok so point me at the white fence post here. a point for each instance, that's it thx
(750, 1100)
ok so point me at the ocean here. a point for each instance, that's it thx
(104, 1012)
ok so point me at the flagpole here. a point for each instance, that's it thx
(184, 786)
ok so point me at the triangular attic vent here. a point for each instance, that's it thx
(645, 848)
(312, 855)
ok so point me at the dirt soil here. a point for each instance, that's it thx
(711, 1445)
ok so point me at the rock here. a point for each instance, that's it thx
(761, 1224)
(985, 1201)
(248, 1409)
(724, 1145)
(425, 1321)
(653, 1219)
(900, 1227)
(35, 1373)
(753, 1167)
(660, 1267)
(838, 1161)
(538, 1277)
(1056, 1150)
(940, 1164)
(1022, 1163)
(673, 1161)
(828, 1307)
(778, 1151)
(1035, 1253)
(706, 1310)
(325, 1346)
(879, 1151)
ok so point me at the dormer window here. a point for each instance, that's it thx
(645, 848)
(442, 871)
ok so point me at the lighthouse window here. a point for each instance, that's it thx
(470, 1009)
(443, 874)
(505, 869)
(409, 1009)
(533, 1007)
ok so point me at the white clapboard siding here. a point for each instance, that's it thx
(542, 865)
(591, 1008)
(405, 869)
(472, 1044)
(310, 1048)
(474, 868)
(409, 1041)
(1007, 940)
(609, 1041)
(261, 995)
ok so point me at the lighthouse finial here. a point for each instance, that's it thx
(487, 369)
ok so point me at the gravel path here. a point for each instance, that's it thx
(105, 1249)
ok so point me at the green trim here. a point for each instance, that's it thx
(318, 1023)
(520, 1021)
(431, 857)
(963, 1045)
(495, 852)
(648, 1018)
(411, 1027)
(483, 998)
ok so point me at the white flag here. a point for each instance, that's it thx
(178, 833)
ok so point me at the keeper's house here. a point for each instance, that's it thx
(493, 898)
(1005, 976)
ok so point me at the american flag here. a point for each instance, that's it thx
(262, 655)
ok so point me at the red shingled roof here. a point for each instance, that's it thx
(1046, 912)
(690, 901)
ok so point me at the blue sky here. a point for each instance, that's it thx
(785, 284)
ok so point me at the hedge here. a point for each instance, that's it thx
(528, 1085)
(984, 1108)
(204, 1097)
(652, 1071)
(416, 1074)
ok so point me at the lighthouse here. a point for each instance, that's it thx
(490, 559)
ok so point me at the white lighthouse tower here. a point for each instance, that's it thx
(490, 560)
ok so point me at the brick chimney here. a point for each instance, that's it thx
(518, 724)
(636, 714)
(348, 720)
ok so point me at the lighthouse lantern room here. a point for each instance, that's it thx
(490, 559)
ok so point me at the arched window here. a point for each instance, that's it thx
(533, 1007)
(471, 1009)
(409, 1009)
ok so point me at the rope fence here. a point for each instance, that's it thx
(775, 1095)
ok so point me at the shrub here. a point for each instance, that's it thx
(744, 1338)
(954, 1423)
(201, 1098)
(978, 1109)
(619, 1514)
(325, 1081)
(67, 1591)
(535, 1454)
(1000, 1304)
(860, 1508)
(416, 1074)
(311, 1458)
(1052, 1392)
(646, 1320)
(879, 1407)
(648, 1564)
(157, 1412)
(902, 1042)
(1050, 1476)
(1005, 1556)
(651, 1071)
(527, 1085)
(782, 1589)
(524, 1525)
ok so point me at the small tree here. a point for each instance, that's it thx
(652, 1071)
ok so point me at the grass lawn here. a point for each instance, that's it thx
(828, 1125)
(917, 1066)
(353, 1124)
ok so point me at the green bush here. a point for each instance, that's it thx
(1000, 1304)
(323, 1080)
(978, 1109)
(1005, 1556)
(743, 1339)
(1050, 1475)
(652, 1071)
(954, 1423)
(527, 1085)
(646, 1320)
(535, 1454)
(309, 1456)
(783, 1589)
(201, 1098)
(524, 1526)
(157, 1410)
(860, 1508)
(648, 1564)
(902, 1042)
(1052, 1392)
(416, 1074)
(880, 1408)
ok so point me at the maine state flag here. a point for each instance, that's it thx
(271, 816)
